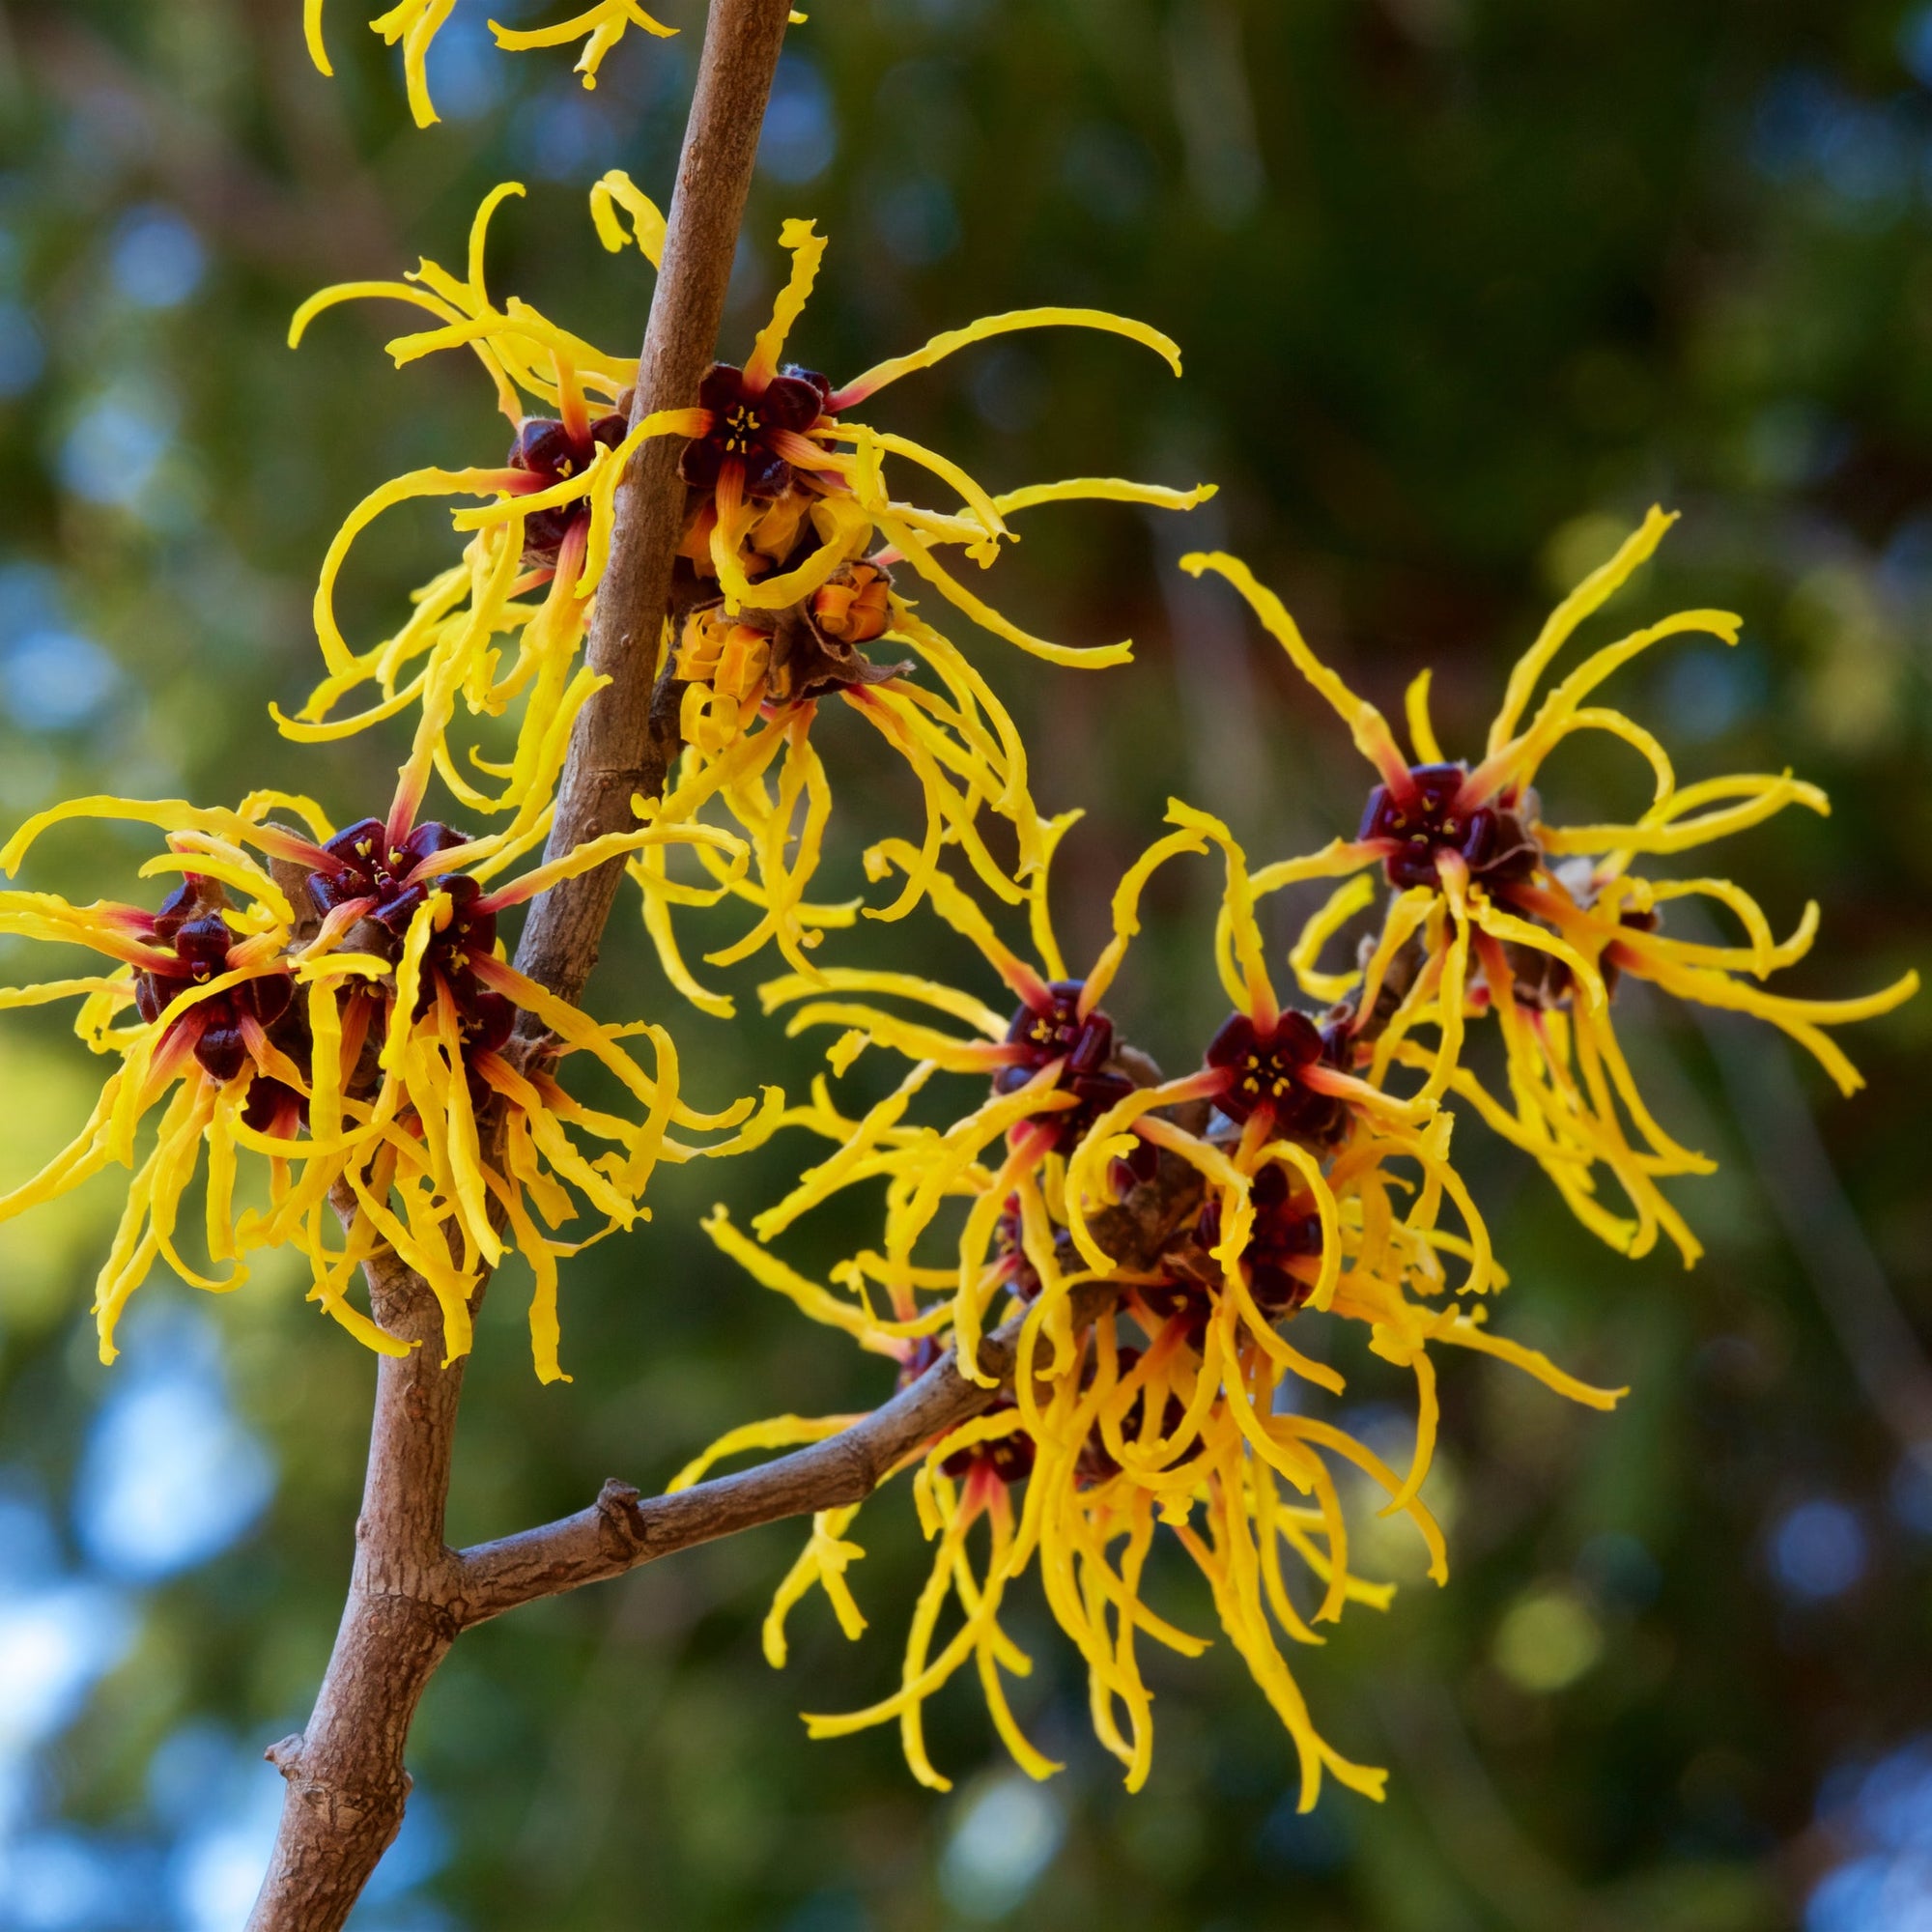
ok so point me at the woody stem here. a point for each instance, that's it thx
(346, 1782)
(618, 749)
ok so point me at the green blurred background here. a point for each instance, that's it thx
(1463, 285)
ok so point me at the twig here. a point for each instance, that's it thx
(346, 1782)
(621, 1529)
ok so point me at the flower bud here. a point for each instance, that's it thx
(855, 605)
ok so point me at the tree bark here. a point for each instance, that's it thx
(347, 1786)
(345, 1781)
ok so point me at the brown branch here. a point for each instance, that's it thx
(620, 1529)
(347, 1786)
(345, 1781)
(616, 750)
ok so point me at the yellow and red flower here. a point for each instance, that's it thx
(791, 536)
(1493, 909)
(354, 1018)
(1146, 1396)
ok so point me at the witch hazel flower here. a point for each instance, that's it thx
(351, 1018)
(1496, 910)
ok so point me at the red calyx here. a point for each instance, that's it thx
(1057, 1032)
(1096, 1463)
(191, 925)
(1010, 1458)
(1490, 840)
(487, 1018)
(370, 868)
(1266, 1068)
(546, 448)
(742, 424)
(1286, 1229)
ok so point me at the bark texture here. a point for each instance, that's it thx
(345, 1781)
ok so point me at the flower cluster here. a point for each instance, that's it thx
(1493, 910)
(786, 581)
(1148, 1246)
(1139, 1271)
(338, 1004)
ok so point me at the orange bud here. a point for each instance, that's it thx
(855, 605)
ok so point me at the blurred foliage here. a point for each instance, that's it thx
(1463, 285)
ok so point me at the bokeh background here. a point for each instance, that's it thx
(1463, 285)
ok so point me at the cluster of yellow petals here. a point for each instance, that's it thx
(1165, 1394)
(801, 560)
(1151, 1394)
(1581, 918)
(1132, 1410)
(398, 1160)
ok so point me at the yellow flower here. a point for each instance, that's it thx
(1495, 910)
(754, 687)
(355, 1017)
(1322, 1196)
(415, 24)
(1114, 1439)
(793, 489)
(1053, 1066)
(1292, 1128)
(214, 1011)
(548, 527)
(789, 505)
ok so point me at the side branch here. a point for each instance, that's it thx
(621, 1529)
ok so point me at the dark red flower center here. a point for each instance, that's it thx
(191, 925)
(274, 1108)
(1268, 1069)
(486, 1017)
(1010, 1458)
(1286, 1229)
(743, 426)
(369, 866)
(371, 869)
(1096, 1463)
(1491, 840)
(1058, 1030)
(546, 448)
